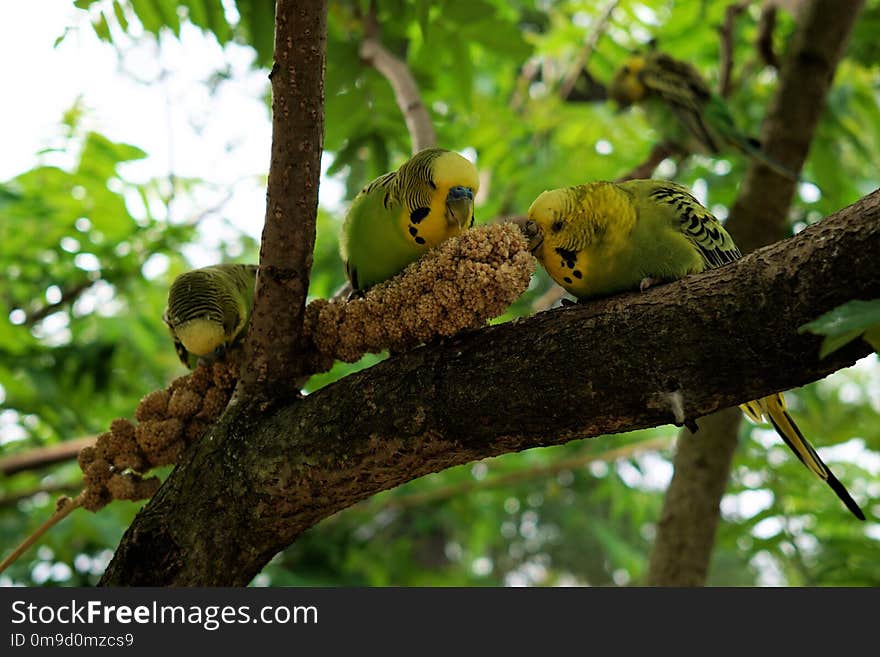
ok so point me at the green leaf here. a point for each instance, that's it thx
(423, 11)
(120, 15)
(147, 14)
(856, 314)
(215, 19)
(258, 20)
(872, 337)
(102, 28)
(834, 342)
(167, 10)
(844, 324)
(468, 12)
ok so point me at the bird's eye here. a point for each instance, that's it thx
(626, 69)
(557, 226)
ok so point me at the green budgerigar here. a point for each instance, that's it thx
(400, 215)
(602, 238)
(209, 308)
(682, 108)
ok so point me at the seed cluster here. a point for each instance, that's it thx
(462, 283)
(167, 421)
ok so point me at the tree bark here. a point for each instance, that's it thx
(256, 481)
(686, 532)
(275, 352)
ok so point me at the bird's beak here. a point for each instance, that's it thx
(533, 234)
(460, 206)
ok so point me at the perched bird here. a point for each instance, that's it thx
(208, 309)
(602, 238)
(682, 108)
(402, 214)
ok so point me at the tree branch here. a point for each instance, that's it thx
(275, 351)
(568, 83)
(406, 91)
(726, 30)
(759, 216)
(43, 456)
(69, 295)
(658, 153)
(256, 481)
(764, 42)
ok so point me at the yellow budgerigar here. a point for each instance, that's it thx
(209, 308)
(602, 238)
(402, 214)
(682, 108)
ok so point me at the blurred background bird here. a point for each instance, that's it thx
(208, 310)
(403, 213)
(682, 108)
(602, 238)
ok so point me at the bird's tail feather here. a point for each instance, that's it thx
(773, 408)
(752, 147)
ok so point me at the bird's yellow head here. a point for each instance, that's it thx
(572, 230)
(441, 186)
(626, 86)
(457, 181)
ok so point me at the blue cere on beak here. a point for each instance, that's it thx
(458, 193)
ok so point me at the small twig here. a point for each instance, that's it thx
(60, 514)
(659, 153)
(406, 91)
(527, 75)
(67, 296)
(726, 30)
(569, 81)
(12, 500)
(43, 456)
(764, 43)
(524, 474)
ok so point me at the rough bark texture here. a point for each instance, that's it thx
(681, 557)
(275, 350)
(686, 533)
(257, 480)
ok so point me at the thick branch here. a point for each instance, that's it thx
(255, 482)
(686, 531)
(398, 74)
(274, 347)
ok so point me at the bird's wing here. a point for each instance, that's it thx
(696, 223)
(680, 87)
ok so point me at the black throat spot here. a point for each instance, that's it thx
(418, 214)
(569, 257)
